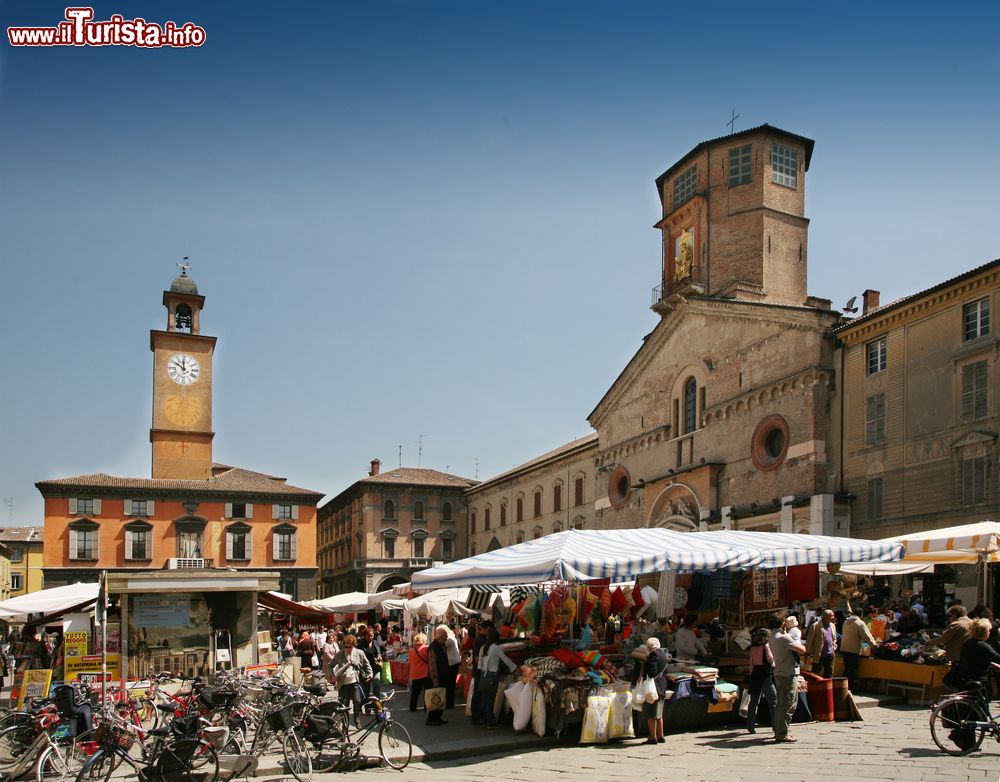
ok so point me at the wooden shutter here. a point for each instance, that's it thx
(72, 506)
(127, 509)
(295, 546)
(295, 512)
(150, 509)
(229, 546)
(275, 551)
(274, 511)
(249, 510)
(129, 542)
(97, 507)
(72, 538)
(229, 510)
(248, 549)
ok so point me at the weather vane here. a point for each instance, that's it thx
(184, 266)
(732, 122)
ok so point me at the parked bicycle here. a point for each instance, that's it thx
(176, 753)
(337, 748)
(52, 754)
(960, 722)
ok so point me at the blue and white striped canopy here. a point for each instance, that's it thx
(580, 555)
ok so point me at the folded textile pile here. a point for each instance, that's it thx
(703, 674)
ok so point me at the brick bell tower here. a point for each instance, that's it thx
(181, 434)
(733, 220)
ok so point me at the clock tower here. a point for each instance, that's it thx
(182, 434)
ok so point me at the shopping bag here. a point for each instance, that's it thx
(745, 704)
(315, 660)
(386, 672)
(644, 692)
(434, 698)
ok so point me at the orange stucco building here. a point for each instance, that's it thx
(192, 513)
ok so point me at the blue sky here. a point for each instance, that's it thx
(435, 217)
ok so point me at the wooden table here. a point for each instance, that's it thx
(913, 677)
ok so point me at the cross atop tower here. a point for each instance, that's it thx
(731, 124)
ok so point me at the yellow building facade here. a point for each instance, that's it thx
(24, 546)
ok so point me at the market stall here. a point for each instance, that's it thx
(582, 563)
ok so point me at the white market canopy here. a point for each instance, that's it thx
(47, 601)
(965, 544)
(349, 602)
(581, 555)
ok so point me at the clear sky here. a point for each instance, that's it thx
(435, 217)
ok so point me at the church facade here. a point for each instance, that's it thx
(191, 513)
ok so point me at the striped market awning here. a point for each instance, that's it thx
(581, 555)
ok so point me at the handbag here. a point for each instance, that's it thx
(386, 672)
(434, 698)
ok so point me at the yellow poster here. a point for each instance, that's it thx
(89, 667)
(35, 685)
(77, 644)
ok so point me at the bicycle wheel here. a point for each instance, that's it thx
(14, 742)
(395, 745)
(187, 760)
(297, 760)
(953, 726)
(98, 768)
(62, 761)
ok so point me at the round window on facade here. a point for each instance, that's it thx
(770, 442)
(619, 487)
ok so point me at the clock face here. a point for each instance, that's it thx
(183, 369)
(182, 410)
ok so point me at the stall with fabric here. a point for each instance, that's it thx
(581, 559)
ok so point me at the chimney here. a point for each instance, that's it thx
(870, 299)
(375, 468)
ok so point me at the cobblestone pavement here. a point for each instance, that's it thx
(893, 743)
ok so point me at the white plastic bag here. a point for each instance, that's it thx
(745, 704)
(522, 709)
(645, 692)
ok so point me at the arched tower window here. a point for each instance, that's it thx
(690, 405)
(183, 318)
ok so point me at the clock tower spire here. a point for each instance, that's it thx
(181, 434)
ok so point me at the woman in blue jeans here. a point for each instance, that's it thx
(761, 676)
(485, 693)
